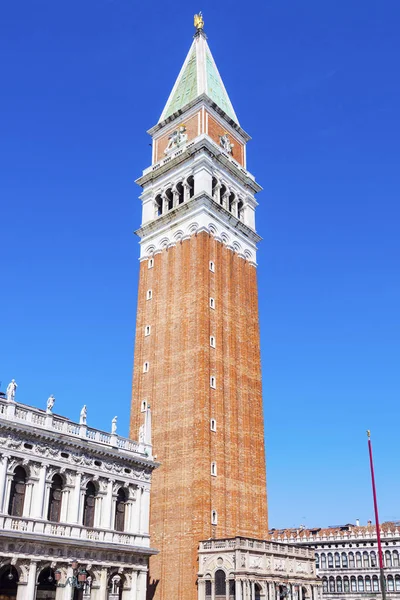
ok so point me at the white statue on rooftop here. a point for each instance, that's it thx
(177, 138)
(10, 391)
(83, 415)
(50, 403)
(114, 426)
(225, 143)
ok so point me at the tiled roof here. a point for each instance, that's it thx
(346, 530)
(199, 75)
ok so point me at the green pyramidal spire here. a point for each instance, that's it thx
(199, 75)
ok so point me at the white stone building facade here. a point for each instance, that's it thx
(347, 559)
(247, 569)
(72, 493)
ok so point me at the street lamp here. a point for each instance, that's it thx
(77, 580)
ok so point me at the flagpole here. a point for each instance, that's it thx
(378, 529)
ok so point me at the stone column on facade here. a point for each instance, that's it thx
(165, 203)
(201, 589)
(212, 589)
(107, 505)
(7, 492)
(102, 594)
(38, 500)
(98, 502)
(145, 511)
(175, 198)
(21, 590)
(81, 505)
(27, 510)
(216, 192)
(238, 589)
(186, 192)
(133, 594)
(65, 495)
(253, 589)
(76, 498)
(225, 200)
(141, 585)
(271, 591)
(136, 526)
(3, 479)
(68, 591)
(130, 522)
(300, 594)
(30, 593)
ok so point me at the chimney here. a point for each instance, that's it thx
(369, 523)
(357, 522)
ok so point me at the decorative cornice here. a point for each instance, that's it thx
(201, 142)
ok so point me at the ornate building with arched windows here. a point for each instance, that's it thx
(68, 493)
(347, 559)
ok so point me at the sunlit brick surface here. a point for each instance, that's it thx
(177, 387)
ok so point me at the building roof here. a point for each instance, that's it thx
(199, 75)
(338, 531)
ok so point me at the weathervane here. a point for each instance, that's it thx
(198, 21)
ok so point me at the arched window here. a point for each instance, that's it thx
(330, 560)
(9, 582)
(120, 510)
(47, 584)
(397, 579)
(344, 560)
(170, 198)
(360, 584)
(232, 590)
(220, 583)
(222, 192)
(257, 592)
(365, 560)
(388, 558)
(375, 584)
(337, 560)
(54, 509)
(353, 584)
(346, 584)
(231, 201)
(190, 182)
(115, 586)
(317, 560)
(331, 584)
(179, 189)
(324, 585)
(208, 589)
(373, 559)
(339, 585)
(214, 187)
(390, 583)
(395, 558)
(240, 208)
(358, 560)
(323, 561)
(159, 205)
(17, 493)
(89, 504)
(368, 586)
(351, 560)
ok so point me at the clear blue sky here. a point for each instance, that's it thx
(317, 86)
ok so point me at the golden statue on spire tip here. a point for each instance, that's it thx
(198, 21)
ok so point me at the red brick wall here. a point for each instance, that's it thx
(177, 387)
(215, 129)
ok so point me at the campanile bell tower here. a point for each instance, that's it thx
(197, 348)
